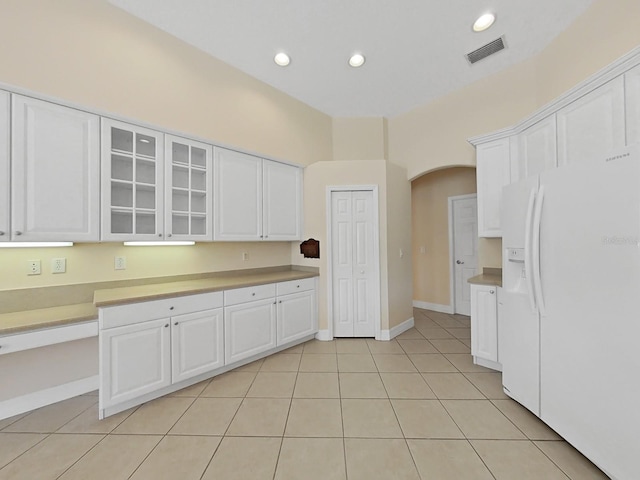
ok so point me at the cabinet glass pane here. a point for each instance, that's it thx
(198, 225)
(145, 145)
(198, 203)
(121, 140)
(145, 223)
(145, 171)
(198, 180)
(145, 196)
(121, 168)
(180, 224)
(180, 177)
(181, 200)
(180, 153)
(198, 157)
(121, 222)
(121, 194)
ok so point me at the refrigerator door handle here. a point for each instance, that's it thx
(527, 250)
(537, 280)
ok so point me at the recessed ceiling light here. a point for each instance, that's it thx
(282, 59)
(483, 22)
(356, 60)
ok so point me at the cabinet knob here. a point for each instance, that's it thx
(1, 234)
(280, 301)
(297, 286)
(18, 233)
(176, 323)
(459, 262)
(169, 235)
(170, 308)
(160, 235)
(266, 236)
(166, 326)
(261, 236)
(491, 292)
(253, 294)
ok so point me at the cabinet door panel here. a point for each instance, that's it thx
(493, 173)
(632, 105)
(296, 316)
(4, 168)
(188, 202)
(484, 325)
(197, 344)
(55, 172)
(538, 147)
(134, 360)
(282, 206)
(132, 182)
(238, 196)
(593, 125)
(249, 329)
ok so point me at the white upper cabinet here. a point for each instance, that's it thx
(5, 229)
(593, 125)
(188, 202)
(538, 148)
(237, 188)
(493, 172)
(255, 199)
(282, 206)
(132, 182)
(55, 175)
(632, 97)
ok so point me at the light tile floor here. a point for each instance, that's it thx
(412, 408)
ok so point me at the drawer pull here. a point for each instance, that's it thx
(176, 323)
(166, 326)
(253, 294)
(297, 286)
(170, 308)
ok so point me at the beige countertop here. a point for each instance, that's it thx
(18, 322)
(491, 279)
(23, 321)
(141, 293)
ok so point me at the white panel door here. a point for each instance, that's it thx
(493, 173)
(593, 125)
(249, 329)
(282, 205)
(237, 189)
(353, 264)
(538, 147)
(55, 172)
(632, 104)
(188, 198)
(132, 182)
(197, 344)
(134, 360)
(465, 250)
(484, 322)
(5, 180)
(296, 316)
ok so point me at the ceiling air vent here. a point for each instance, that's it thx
(486, 50)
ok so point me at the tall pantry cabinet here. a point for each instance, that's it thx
(5, 233)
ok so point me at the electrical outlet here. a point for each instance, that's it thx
(33, 267)
(245, 256)
(120, 263)
(58, 265)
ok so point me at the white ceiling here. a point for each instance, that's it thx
(415, 49)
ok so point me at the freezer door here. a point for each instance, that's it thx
(590, 275)
(518, 323)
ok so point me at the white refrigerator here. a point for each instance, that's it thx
(569, 331)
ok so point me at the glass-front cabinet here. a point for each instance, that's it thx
(188, 202)
(132, 182)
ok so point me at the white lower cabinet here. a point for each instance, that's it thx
(134, 360)
(296, 317)
(249, 329)
(197, 344)
(484, 326)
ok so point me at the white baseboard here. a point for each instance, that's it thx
(397, 330)
(41, 398)
(433, 306)
(324, 335)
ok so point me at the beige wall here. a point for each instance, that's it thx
(434, 136)
(359, 138)
(430, 225)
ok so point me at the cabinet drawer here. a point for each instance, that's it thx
(249, 294)
(120, 315)
(293, 286)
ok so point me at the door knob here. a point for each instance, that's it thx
(362, 272)
(459, 262)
